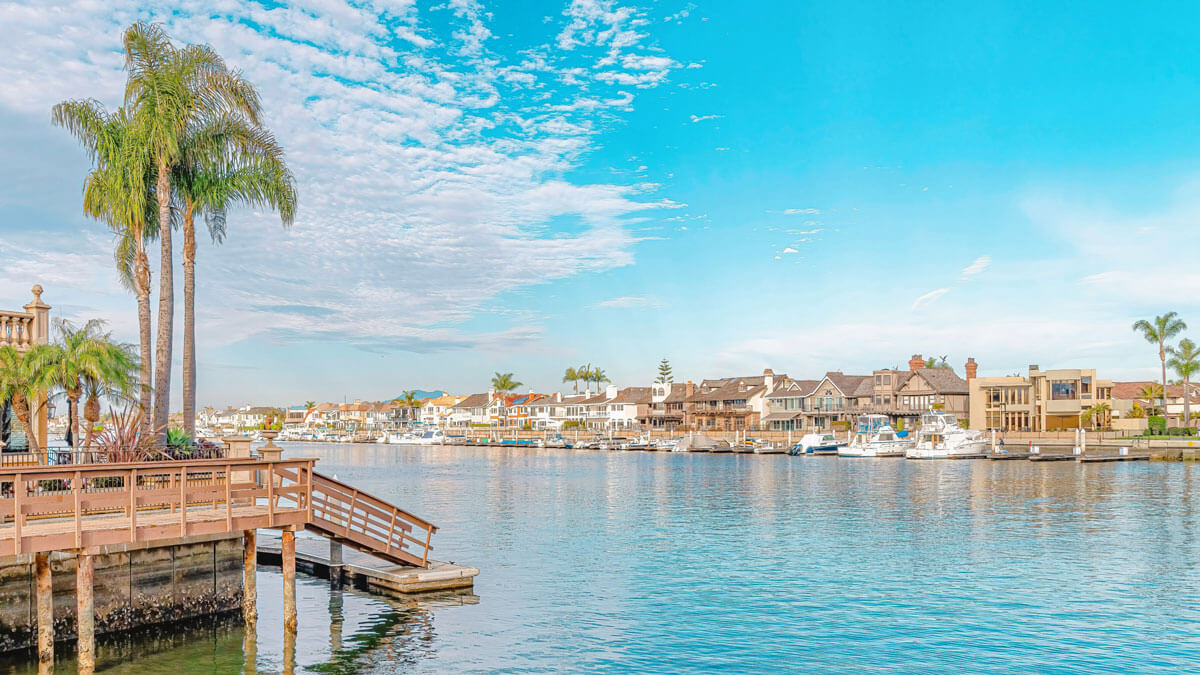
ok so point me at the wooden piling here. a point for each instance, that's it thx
(249, 578)
(45, 610)
(288, 550)
(85, 616)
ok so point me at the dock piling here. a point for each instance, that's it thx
(335, 563)
(45, 610)
(288, 551)
(85, 615)
(249, 578)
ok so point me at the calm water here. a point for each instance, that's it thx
(691, 562)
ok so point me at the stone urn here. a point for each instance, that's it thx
(270, 452)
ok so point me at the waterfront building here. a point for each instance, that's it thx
(666, 407)
(436, 411)
(472, 411)
(1043, 400)
(630, 405)
(729, 404)
(1126, 394)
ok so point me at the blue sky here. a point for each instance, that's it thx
(527, 186)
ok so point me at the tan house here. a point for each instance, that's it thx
(1126, 394)
(666, 407)
(729, 404)
(1044, 400)
(24, 330)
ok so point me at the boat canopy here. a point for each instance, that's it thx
(871, 423)
(937, 420)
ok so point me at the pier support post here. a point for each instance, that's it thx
(288, 550)
(45, 610)
(85, 566)
(335, 564)
(249, 578)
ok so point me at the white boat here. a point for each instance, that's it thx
(940, 437)
(816, 444)
(875, 437)
(432, 437)
(768, 448)
(403, 438)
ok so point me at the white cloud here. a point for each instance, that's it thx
(701, 118)
(425, 167)
(796, 212)
(790, 250)
(929, 297)
(981, 263)
(631, 302)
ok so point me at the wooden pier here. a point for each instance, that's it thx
(84, 509)
(1088, 459)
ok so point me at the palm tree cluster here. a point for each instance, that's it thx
(586, 374)
(504, 383)
(1184, 359)
(187, 142)
(83, 364)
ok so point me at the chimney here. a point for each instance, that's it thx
(491, 394)
(972, 368)
(558, 397)
(916, 363)
(689, 389)
(610, 392)
(769, 379)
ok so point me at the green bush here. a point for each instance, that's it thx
(1180, 431)
(1156, 425)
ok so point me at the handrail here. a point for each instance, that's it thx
(348, 514)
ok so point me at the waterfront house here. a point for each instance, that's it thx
(627, 407)
(1043, 400)
(832, 400)
(729, 404)
(786, 404)
(436, 411)
(666, 407)
(472, 411)
(1126, 394)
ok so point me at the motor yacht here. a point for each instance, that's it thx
(875, 437)
(940, 437)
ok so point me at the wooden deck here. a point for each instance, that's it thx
(87, 507)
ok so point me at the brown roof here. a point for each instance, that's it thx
(790, 388)
(943, 380)
(677, 394)
(633, 395)
(865, 389)
(1128, 391)
(473, 401)
(734, 389)
(848, 384)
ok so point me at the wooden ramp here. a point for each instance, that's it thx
(366, 523)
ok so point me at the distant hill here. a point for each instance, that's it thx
(419, 393)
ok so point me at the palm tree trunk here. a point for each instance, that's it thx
(166, 309)
(1187, 401)
(73, 404)
(91, 415)
(1162, 355)
(146, 387)
(20, 408)
(189, 322)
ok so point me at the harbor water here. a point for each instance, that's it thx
(679, 562)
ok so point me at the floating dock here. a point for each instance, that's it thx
(367, 572)
(1010, 455)
(1051, 458)
(1113, 458)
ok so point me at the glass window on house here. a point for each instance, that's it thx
(1064, 390)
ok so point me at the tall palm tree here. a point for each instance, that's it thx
(598, 376)
(119, 191)
(309, 405)
(504, 383)
(171, 90)
(225, 161)
(585, 373)
(1159, 331)
(1185, 361)
(25, 378)
(572, 376)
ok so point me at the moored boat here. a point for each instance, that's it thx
(875, 437)
(816, 444)
(940, 437)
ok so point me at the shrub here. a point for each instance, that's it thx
(1156, 426)
(1180, 431)
(841, 425)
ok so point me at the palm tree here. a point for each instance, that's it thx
(504, 383)
(598, 376)
(225, 161)
(309, 405)
(937, 362)
(83, 356)
(571, 375)
(584, 373)
(1149, 393)
(119, 191)
(171, 91)
(1163, 328)
(25, 378)
(1185, 361)
(412, 403)
(1095, 415)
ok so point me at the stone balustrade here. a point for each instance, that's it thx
(16, 329)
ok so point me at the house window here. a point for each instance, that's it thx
(887, 379)
(1063, 390)
(878, 379)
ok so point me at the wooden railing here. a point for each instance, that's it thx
(16, 329)
(361, 520)
(50, 508)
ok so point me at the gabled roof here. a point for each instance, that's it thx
(733, 389)
(633, 395)
(794, 388)
(942, 380)
(473, 401)
(677, 394)
(865, 389)
(1128, 391)
(847, 384)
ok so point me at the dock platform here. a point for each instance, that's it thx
(368, 572)
(1113, 458)
(1051, 458)
(1010, 455)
